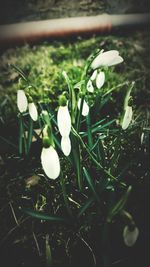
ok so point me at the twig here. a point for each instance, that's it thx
(88, 246)
(36, 242)
(13, 212)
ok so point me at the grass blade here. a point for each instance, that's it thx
(85, 206)
(89, 132)
(42, 216)
(119, 205)
(48, 252)
(91, 184)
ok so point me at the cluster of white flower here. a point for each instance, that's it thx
(49, 157)
(23, 105)
(104, 59)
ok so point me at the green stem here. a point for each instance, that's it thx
(20, 135)
(65, 197)
(92, 157)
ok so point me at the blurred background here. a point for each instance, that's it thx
(26, 10)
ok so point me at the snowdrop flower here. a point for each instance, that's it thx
(90, 87)
(64, 125)
(99, 79)
(33, 111)
(130, 236)
(106, 59)
(127, 117)
(85, 108)
(50, 162)
(64, 120)
(22, 102)
(66, 145)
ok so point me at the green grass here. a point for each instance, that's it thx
(44, 63)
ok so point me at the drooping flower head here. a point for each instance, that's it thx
(22, 101)
(64, 125)
(49, 157)
(127, 117)
(85, 108)
(130, 235)
(33, 111)
(98, 78)
(106, 59)
(63, 117)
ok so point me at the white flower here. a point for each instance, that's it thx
(127, 117)
(66, 145)
(105, 59)
(33, 111)
(129, 236)
(64, 121)
(100, 79)
(22, 102)
(85, 108)
(93, 77)
(90, 87)
(50, 162)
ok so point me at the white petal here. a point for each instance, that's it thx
(90, 87)
(100, 79)
(50, 162)
(85, 108)
(66, 145)
(105, 59)
(64, 121)
(116, 60)
(22, 102)
(142, 138)
(129, 236)
(127, 118)
(33, 111)
(93, 77)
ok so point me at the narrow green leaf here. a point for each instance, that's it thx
(22, 74)
(20, 136)
(91, 184)
(101, 153)
(89, 132)
(48, 252)
(119, 205)
(85, 206)
(127, 97)
(116, 154)
(42, 216)
(30, 133)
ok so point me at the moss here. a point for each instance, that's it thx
(43, 64)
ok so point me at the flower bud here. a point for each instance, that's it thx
(130, 235)
(22, 102)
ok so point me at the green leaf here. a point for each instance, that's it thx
(30, 133)
(89, 132)
(101, 153)
(22, 74)
(119, 205)
(42, 216)
(85, 206)
(127, 97)
(20, 136)
(91, 184)
(48, 252)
